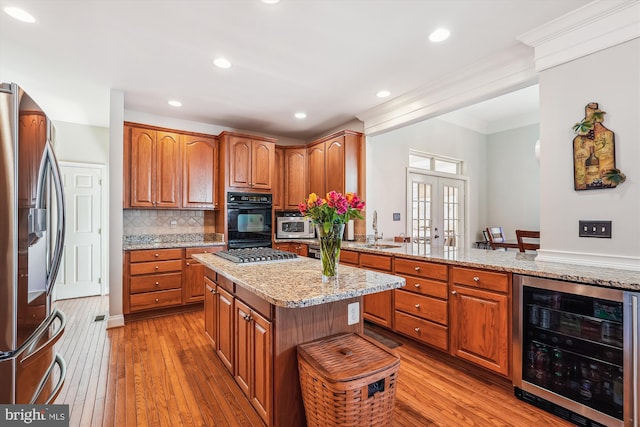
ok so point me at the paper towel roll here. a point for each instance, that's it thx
(350, 230)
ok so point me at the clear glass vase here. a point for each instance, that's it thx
(330, 250)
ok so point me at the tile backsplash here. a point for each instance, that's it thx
(158, 221)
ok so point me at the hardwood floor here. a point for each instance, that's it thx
(162, 372)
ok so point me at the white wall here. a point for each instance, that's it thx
(81, 143)
(388, 159)
(611, 78)
(513, 180)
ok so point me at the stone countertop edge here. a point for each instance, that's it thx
(171, 245)
(297, 283)
(515, 262)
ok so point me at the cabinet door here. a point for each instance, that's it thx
(239, 162)
(262, 163)
(193, 274)
(278, 180)
(242, 319)
(283, 247)
(168, 170)
(142, 168)
(295, 161)
(210, 310)
(199, 172)
(378, 308)
(225, 330)
(315, 160)
(479, 327)
(300, 249)
(334, 163)
(261, 375)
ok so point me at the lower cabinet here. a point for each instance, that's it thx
(378, 307)
(301, 249)
(253, 357)
(218, 319)
(193, 291)
(480, 308)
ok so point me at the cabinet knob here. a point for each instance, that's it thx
(416, 329)
(156, 255)
(417, 268)
(476, 279)
(454, 292)
(417, 285)
(157, 267)
(417, 305)
(157, 300)
(247, 318)
(157, 283)
(188, 264)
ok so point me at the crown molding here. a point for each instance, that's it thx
(596, 26)
(508, 71)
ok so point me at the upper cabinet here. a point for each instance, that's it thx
(290, 177)
(200, 172)
(248, 161)
(168, 169)
(278, 180)
(334, 163)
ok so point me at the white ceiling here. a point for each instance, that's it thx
(327, 58)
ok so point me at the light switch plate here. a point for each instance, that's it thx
(353, 313)
(600, 229)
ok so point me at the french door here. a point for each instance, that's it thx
(435, 211)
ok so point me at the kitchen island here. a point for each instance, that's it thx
(257, 313)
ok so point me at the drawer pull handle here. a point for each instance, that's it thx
(156, 255)
(417, 305)
(416, 329)
(157, 267)
(476, 279)
(157, 300)
(188, 264)
(454, 292)
(417, 285)
(157, 283)
(417, 268)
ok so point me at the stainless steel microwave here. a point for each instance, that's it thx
(294, 226)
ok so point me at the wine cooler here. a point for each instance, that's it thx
(575, 350)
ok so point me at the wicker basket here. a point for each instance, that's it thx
(348, 380)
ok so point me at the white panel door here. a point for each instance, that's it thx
(80, 272)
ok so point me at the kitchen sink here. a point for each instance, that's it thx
(380, 246)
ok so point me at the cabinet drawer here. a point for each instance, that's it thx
(203, 250)
(155, 254)
(490, 280)
(421, 269)
(421, 306)
(349, 257)
(376, 262)
(157, 299)
(421, 330)
(156, 282)
(428, 287)
(155, 267)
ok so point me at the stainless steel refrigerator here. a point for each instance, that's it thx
(31, 243)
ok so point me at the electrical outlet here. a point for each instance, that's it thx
(396, 216)
(599, 229)
(173, 223)
(353, 313)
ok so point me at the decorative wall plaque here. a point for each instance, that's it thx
(594, 162)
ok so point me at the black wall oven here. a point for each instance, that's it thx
(249, 216)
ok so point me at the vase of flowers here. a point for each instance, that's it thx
(330, 214)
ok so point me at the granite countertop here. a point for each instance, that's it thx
(169, 241)
(513, 262)
(298, 283)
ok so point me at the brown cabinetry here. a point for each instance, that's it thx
(301, 249)
(200, 172)
(194, 272)
(479, 310)
(155, 279)
(154, 168)
(351, 258)
(334, 163)
(249, 161)
(421, 307)
(378, 307)
(295, 177)
(277, 192)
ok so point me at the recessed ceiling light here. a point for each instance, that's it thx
(175, 103)
(222, 63)
(439, 35)
(383, 94)
(300, 115)
(270, 1)
(19, 14)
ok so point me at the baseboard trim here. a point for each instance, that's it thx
(116, 321)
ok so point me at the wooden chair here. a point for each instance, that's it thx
(497, 240)
(521, 235)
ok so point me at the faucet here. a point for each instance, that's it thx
(375, 228)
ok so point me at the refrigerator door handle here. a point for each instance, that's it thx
(60, 231)
(62, 366)
(51, 341)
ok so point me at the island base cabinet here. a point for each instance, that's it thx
(210, 310)
(378, 308)
(479, 327)
(253, 358)
(225, 323)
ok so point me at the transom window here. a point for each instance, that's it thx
(431, 162)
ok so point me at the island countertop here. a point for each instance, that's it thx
(297, 282)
